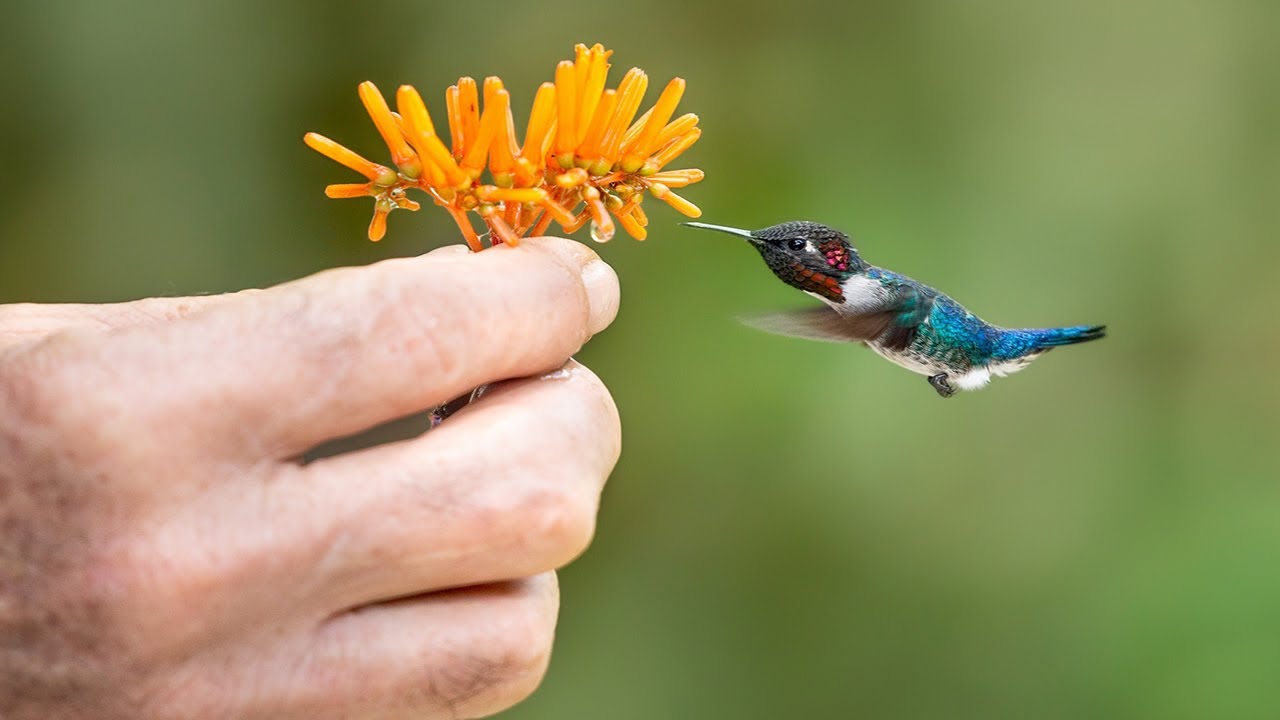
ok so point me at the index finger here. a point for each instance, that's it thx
(282, 370)
(28, 322)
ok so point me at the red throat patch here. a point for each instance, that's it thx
(818, 283)
(836, 254)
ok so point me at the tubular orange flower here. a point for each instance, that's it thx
(338, 153)
(444, 172)
(468, 112)
(347, 190)
(630, 93)
(643, 146)
(566, 110)
(677, 178)
(631, 224)
(502, 152)
(541, 120)
(596, 73)
(675, 148)
(589, 149)
(677, 128)
(682, 206)
(638, 211)
(585, 156)
(401, 154)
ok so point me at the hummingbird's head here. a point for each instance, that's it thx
(805, 255)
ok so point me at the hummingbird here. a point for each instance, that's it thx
(904, 321)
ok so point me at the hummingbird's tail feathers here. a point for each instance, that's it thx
(1056, 337)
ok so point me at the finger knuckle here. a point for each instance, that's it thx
(499, 668)
(134, 577)
(485, 682)
(525, 661)
(560, 516)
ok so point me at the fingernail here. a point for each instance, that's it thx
(564, 372)
(449, 250)
(601, 283)
(602, 292)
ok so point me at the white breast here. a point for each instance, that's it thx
(911, 362)
(861, 294)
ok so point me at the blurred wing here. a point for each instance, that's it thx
(891, 320)
(821, 323)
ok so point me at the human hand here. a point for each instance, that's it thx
(164, 553)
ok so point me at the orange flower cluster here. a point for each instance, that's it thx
(583, 147)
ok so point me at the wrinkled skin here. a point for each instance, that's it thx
(165, 554)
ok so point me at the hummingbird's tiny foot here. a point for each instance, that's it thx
(939, 383)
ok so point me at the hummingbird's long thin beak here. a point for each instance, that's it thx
(721, 228)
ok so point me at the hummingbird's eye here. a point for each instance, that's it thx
(796, 244)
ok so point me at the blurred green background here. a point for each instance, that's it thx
(795, 529)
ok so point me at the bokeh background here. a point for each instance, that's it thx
(795, 529)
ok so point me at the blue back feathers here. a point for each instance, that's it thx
(957, 335)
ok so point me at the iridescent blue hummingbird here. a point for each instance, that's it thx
(906, 322)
